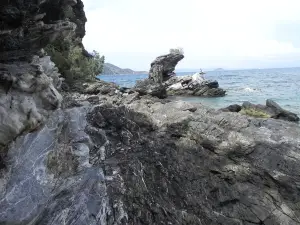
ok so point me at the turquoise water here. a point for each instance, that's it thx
(256, 85)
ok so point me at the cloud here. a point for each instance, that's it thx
(211, 32)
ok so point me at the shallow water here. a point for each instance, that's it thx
(256, 85)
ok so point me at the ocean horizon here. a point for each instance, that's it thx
(254, 85)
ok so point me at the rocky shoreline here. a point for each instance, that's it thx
(92, 153)
(162, 80)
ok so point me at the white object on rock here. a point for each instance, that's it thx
(175, 86)
(198, 77)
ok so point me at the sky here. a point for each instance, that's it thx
(229, 34)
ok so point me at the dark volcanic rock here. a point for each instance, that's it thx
(232, 108)
(24, 30)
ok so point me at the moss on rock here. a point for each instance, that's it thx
(254, 113)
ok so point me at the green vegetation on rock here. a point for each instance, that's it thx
(178, 50)
(254, 113)
(72, 63)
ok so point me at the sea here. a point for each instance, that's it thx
(255, 85)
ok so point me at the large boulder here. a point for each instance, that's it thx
(194, 85)
(163, 66)
(149, 87)
(280, 113)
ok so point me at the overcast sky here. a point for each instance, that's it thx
(213, 33)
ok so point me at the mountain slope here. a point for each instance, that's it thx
(110, 69)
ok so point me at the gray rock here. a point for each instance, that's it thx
(194, 85)
(173, 162)
(271, 109)
(232, 108)
(163, 66)
(148, 161)
(115, 159)
(27, 96)
(28, 79)
(149, 87)
(281, 113)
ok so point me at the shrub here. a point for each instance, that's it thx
(177, 51)
(72, 64)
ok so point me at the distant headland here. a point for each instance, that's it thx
(110, 69)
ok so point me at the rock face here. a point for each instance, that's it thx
(28, 79)
(194, 85)
(163, 66)
(152, 162)
(24, 30)
(270, 110)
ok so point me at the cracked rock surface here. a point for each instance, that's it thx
(147, 161)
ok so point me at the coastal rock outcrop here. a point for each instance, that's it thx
(102, 156)
(162, 80)
(194, 85)
(163, 66)
(152, 162)
(270, 110)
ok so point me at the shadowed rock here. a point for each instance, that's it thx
(232, 108)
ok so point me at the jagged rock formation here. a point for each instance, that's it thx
(162, 82)
(163, 66)
(28, 78)
(194, 85)
(161, 70)
(270, 110)
(138, 160)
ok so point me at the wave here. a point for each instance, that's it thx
(249, 89)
